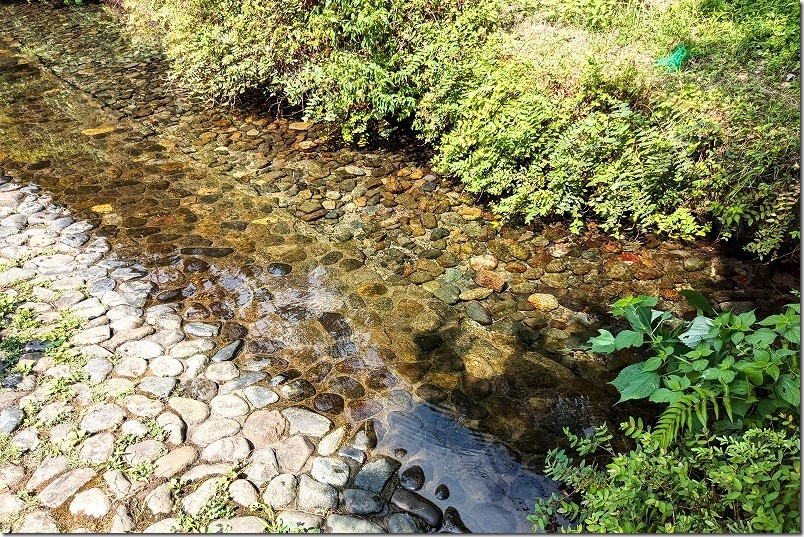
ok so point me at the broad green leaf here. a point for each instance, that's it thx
(727, 406)
(793, 334)
(737, 337)
(773, 320)
(763, 337)
(696, 332)
(748, 318)
(635, 383)
(698, 300)
(628, 338)
(603, 343)
(653, 363)
(788, 389)
(754, 376)
(700, 365)
(663, 395)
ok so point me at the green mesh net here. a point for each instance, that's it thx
(674, 61)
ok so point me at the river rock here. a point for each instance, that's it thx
(419, 506)
(92, 502)
(362, 502)
(63, 488)
(350, 524)
(264, 427)
(230, 449)
(175, 462)
(375, 474)
(412, 478)
(292, 453)
(306, 422)
(316, 496)
(330, 470)
(300, 521)
(281, 491)
(101, 417)
(259, 396)
(405, 523)
(228, 352)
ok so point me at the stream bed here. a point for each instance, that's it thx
(365, 286)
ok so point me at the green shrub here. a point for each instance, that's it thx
(747, 483)
(714, 363)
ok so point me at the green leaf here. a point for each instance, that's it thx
(763, 337)
(700, 365)
(635, 383)
(653, 363)
(788, 389)
(696, 332)
(628, 338)
(603, 343)
(663, 395)
(698, 300)
(793, 334)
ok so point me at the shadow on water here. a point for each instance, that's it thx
(159, 175)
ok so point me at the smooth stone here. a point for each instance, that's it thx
(101, 417)
(478, 312)
(442, 492)
(362, 502)
(299, 521)
(330, 443)
(228, 406)
(298, 390)
(159, 500)
(200, 388)
(98, 369)
(196, 500)
(121, 521)
(221, 371)
(228, 352)
(306, 422)
(92, 336)
(175, 462)
(452, 522)
(189, 347)
(143, 452)
(92, 502)
(63, 488)
(144, 349)
(243, 492)
(259, 396)
(10, 419)
(352, 453)
(230, 449)
(405, 523)
(97, 448)
(314, 495)
(350, 524)
(201, 329)
(190, 410)
(375, 474)
(131, 367)
(40, 521)
(118, 483)
(330, 471)
(158, 386)
(49, 468)
(201, 471)
(238, 524)
(166, 525)
(281, 491)
(330, 403)
(165, 366)
(213, 429)
(417, 505)
(143, 406)
(412, 478)
(263, 467)
(241, 382)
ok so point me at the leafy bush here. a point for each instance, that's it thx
(744, 483)
(553, 108)
(710, 363)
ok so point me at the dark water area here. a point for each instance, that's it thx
(350, 275)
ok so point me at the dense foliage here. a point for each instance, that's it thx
(554, 108)
(689, 473)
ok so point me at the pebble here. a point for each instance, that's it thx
(362, 502)
(330, 443)
(39, 521)
(228, 352)
(196, 500)
(299, 521)
(92, 502)
(63, 488)
(292, 453)
(330, 470)
(213, 429)
(228, 406)
(306, 422)
(412, 478)
(101, 417)
(202, 329)
(230, 449)
(221, 371)
(190, 410)
(259, 396)
(158, 386)
(316, 496)
(419, 506)
(10, 419)
(405, 523)
(243, 492)
(281, 491)
(375, 474)
(97, 448)
(264, 427)
(175, 462)
(241, 382)
(238, 525)
(350, 524)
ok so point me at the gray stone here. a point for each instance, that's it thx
(350, 524)
(143, 406)
(238, 524)
(306, 422)
(143, 452)
(241, 382)
(200, 471)
(263, 467)
(166, 525)
(40, 521)
(159, 386)
(362, 502)
(259, 396)
(92, 502)
(131, 367)
(478, 312)
(49, 468)
(405, 523)
(159, 500)
(189, 347)
(118, 483)
(165, 366)
(10, 419)
(175, 462)
(144, 349)
(97, 448)
(228, 352)
(63, 488)
(300, 521)
(243, 492)
(122, 521)
(190, 410)
(221, 371)
(196, 500)
(202, 329)
(352, 453)
(98, 369)
(213, 429)
(330, 470)
(228, 406)
(375, 474)
(330, 443)
(175, 427)
(135, 427)
(281, 491)
(316, 496)
(264, 427)
(26, 440)
(292, 453)
(448, 293)
(101, 417)
(417, 505)
(230, 449)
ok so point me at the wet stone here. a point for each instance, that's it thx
(376, 474)
(350, 524)
(431, 393)
(442, 492)
(242, 382)
(259, 396)
(419, 506)
(364, 409)
(202, 329)
(452, 522)
(412, 478)
(348, 387)
(298, 390)
(362, 502)
(307, 422)
(278, 269)
(228, 352)
(478, 312)
(330, 403)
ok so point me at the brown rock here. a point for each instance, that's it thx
(490, 280)
(264, 427)
(292, 453)
(543, 301)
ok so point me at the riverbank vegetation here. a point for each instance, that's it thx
(550, 108)
(724, 455)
